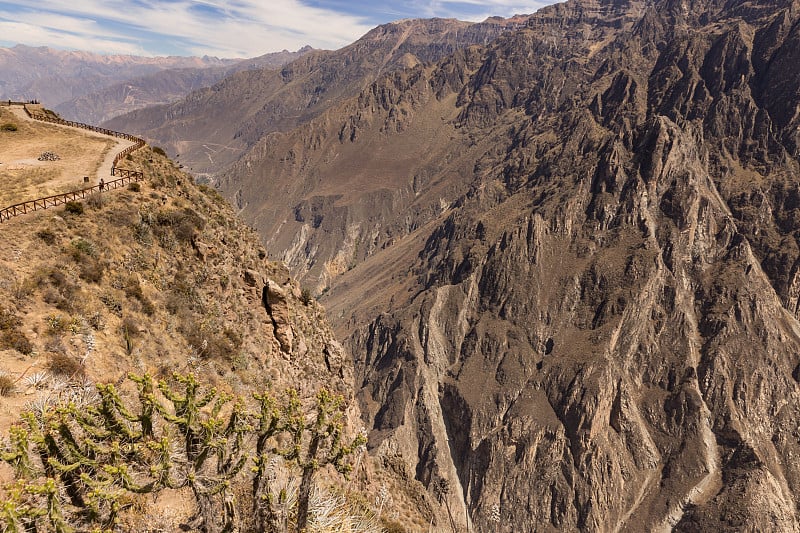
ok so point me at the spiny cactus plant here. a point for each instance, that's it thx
(317, 443)
(79, 466)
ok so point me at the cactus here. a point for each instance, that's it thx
(78, 466)
(317, 444)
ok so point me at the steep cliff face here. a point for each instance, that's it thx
(585, 273)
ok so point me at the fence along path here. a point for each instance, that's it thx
(126, 176)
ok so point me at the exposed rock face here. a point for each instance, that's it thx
(276, 304)
(583, 260)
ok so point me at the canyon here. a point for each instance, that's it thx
(566, 264)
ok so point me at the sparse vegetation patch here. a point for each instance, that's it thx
(10, 335)
(74, 208)
(7, 385)
(46, 235)
(64, 365)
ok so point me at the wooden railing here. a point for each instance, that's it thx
(59, 199)
(126, 176)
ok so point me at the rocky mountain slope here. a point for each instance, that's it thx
(162, 87)
(566, 264)
(211, 128)
(56, 76)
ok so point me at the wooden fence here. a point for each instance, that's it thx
(126, 176)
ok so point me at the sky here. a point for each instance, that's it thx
(236, 28)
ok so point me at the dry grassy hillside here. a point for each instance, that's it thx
(162, 279)
(23, 176)
(158, 278)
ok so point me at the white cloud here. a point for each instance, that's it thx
(33, 35)
(236, 28)
(466, 9)
(244, 28)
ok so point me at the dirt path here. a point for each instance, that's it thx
(81, 153)
(104, 170)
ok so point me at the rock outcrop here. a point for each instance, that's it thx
(277, 305)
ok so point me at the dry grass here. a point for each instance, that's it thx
(123, 288)
(62, 364)
(23, 177)
(7, 385)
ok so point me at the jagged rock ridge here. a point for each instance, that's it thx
(581, 246)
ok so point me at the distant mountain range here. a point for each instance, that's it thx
(93, 88)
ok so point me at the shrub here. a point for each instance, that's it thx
(46, 235)
(211, 343)
(95, 200)
(73, 207)
(10, 336)
(8, 319)
(61, 291)
(392, 526)
(147, 306)
(134, 187)
(64, 365)
(184, 224)
(56, 323)
(16, 340)
(160, 151)
(96, 321)
(305, 296)
(91, 270)
(83, 246)
(8, 126)
(7, 385)
(111, 302)
(58, 279)
(130, 325)
(184, 231)
(133, 289)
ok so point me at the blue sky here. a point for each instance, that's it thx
(236, 28)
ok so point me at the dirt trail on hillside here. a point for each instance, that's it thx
(80, 153)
